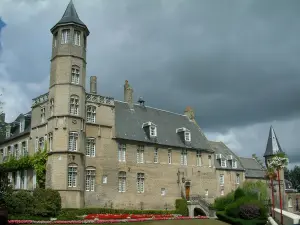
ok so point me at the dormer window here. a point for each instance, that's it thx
(7, 134)
(22, 125)
(186, 133)
(152, 129)
(223, 163)
(234, 164)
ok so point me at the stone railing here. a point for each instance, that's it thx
(288, 218)
(98, 99)
(41, 99)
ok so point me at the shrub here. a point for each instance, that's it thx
(237, 221)
(181, 207)
(249, 211)
(239, 193)
(19, 202)
(47, 202)
(221, 202)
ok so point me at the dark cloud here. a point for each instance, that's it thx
(236, 63)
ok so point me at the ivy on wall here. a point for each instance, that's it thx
(37, 162)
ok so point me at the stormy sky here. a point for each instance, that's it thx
(236, 63)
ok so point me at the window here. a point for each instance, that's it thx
(155, 160)
(22, 125)
(90, 147)
(234, 164)
(140, 182)
(75, 75)
(90, 179)
(122, 152)
(153, 132)
(91, 114)
(209, 161)
(290, 202)
(77, 38)
(73, 141)
(72, 175)
(43, 114)
(84, 39)
(50, 140)
(198, 158)
(24, 148)
(237, 181)
(140, 154)
(206, 192)
(223, 162)
(187, 136)
(41, 144)
(104, 179)
(22, 177)
(65, 36)
(9, 151)
(55, 40)
(122, 181)
(74, 105)
(222, 179)
(51, 107)
(170, 156)
(162, 191)
(7, 133)
(16, 149)
(183, 158)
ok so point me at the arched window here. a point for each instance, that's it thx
(122, 181)
(90, 177)
(72, 175)
(75, 75)
(74, 105)
(91, 114)
(290, 202)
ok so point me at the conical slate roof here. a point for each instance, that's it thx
(273, 145)
(70, 16)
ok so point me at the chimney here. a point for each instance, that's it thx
(128, 91)
(189, 113)
(93, 84)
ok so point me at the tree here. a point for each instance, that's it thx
(293, 176)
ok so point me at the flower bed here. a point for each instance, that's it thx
(108, 220)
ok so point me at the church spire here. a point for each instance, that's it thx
(273, 145)
(70, 17)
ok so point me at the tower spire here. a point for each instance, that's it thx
(273, 145)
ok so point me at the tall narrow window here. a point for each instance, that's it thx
(72, 175)
(55, 40)
(16, 148)
(90, 147)
(187, 136)
(90, 178)
(50, 140)
(122, 152)
(24, 148)
(73, 141)
(198, 158)
(237, 181)
(41, 144)
(43, 115)
(155, 160)
(234, 164)
(74, 105)
(222, 179)
(209, 161)
(140, 182)
(223, 162)
(122, 181)
(65, 36)
(153, 131)
(170, 156)
(9, 151)
(206, 192)
(140, 154)
(77, 38)
(91, 114)
(183, 158)
(51, 108)
(22, 125)
(75, 75)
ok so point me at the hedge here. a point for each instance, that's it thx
(236, 221)
(181, 207)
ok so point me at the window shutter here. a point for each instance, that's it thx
(25, 179)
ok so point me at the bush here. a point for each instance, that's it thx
(221, 202)
(47, 202)
(239, 193)
(237, 221)
(249, 211)
(19, 202)
(181, 207)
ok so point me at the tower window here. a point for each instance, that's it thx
(91, 114)
(74, 105)
(52, 107)
(43, 114)
(72, 175)
(75, 75)
(65, 36)
(90, 179)
(73, 141)
(41, 144)
(77, 38)
(91, 147)
(55, 40)
(50, 139)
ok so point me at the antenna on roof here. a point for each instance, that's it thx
(141, 101)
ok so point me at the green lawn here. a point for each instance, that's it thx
(178, 222)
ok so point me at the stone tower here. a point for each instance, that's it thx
(66, 121)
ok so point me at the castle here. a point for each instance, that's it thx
(108, 153)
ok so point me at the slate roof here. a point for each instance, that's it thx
(273, 145)
(129, 123)
(252, 168)
(70, 16)
(221, 148)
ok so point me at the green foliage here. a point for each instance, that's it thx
(221, 202)
(249, 211)
(237, 221)
(181, 207)
(258, 190)
(20, 202)
(4, 186)
(293, 175)
(47, 202)
(239, 193)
